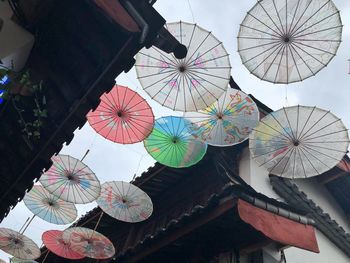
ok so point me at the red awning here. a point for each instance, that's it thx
(278, 228)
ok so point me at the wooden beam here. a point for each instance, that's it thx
(326, 178)
(224, 206)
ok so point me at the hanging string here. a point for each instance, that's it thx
(286, 96)
(88, 150)
(189, 5)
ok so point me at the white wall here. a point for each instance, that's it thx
(258, 178)
(329, 253)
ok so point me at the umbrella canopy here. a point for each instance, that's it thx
(172, 144)
(49, 207)
(18, 245)
(226, 122)
(299, 141)
(89, 243)
(54, 242)
(17, 260)
(188, 84)
(123, 116)
(287, 41)
(71, 180)
(125, 202)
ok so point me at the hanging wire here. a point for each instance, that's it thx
(189, 5)
(286, 96)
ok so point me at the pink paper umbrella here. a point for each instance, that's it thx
(123, 116)
(54, 242)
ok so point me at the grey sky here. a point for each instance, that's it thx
(329, 89)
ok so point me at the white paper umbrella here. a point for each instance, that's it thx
(125, 202)
(188, 84)
(287, 41)
(49, 207)
(71, 180)
(299, 141)
(18, 245)
(89, 243)
(226, 122)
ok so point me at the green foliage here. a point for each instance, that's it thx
(28, 99)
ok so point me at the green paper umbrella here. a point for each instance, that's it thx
(172, 144)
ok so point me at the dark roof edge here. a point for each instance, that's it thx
(329, 227)
(229, 190)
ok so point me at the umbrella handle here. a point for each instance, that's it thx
(30, 221)
(47, 253)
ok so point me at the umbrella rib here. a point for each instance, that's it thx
(201, 55)
(307, 158)
(287, 139)
(188, 78)
(279, 18)
(280, 32)
(188, 84)
(276, 47)
(322, 30)
(147, 55)
(260, 31)
(320, 40)
(192, 71)
(274, 150)
(182, 77)
(189, 59)
(320, 21)
(319, 49)
(158, 81)
(325, 148)
(294, 163)
(158, 73)
(289, 157)
(345, 130)
(295, 32)
(277, 33)
(302, 136)
(259, 38)
(307, 65)
(306, 148)
(262, 45)
(300, 17)
(178, 84)
(190, 42)
(278, 162)
(290, 126)
(295, 63)
(268, 69)
(175, 62)
(294, 15)
(326, 126)
(205, 80)
(211, 59)
(286, 134)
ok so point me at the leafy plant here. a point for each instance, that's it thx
(27, 98)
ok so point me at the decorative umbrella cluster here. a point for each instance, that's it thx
(279, 41)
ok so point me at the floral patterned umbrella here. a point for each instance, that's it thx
(287, 41)
(123, 116)
(226, 122)
(188, 84)
(17, 260)
(89, 243)
(71, 180)
(172, 144)
(49, 207)
(18, 245)
(299, 141)
(54, 242)
(125, 202)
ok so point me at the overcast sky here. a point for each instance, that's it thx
(329, 89)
